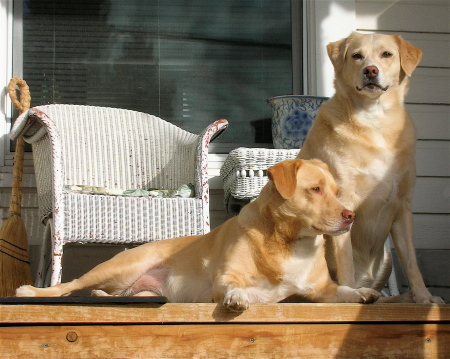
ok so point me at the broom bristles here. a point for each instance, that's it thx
(14, 261)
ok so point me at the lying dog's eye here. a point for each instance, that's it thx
(357, 56)
(386, 54)
(316, 190)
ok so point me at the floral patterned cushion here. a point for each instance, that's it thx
(185, 191)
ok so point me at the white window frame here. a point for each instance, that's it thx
(6, 42)
(323, 21)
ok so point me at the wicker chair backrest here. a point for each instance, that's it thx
(109, 147)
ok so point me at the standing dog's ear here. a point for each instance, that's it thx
(284, 176)
(336, 53)
(409, 55)
(338, 50)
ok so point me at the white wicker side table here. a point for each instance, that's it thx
(244, 173)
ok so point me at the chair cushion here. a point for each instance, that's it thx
(184, 191)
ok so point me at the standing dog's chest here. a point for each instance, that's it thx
(378, 173)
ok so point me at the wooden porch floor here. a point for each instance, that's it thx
(153, 330)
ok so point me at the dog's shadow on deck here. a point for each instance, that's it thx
(222, 314)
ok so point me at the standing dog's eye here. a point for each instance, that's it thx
(316, 190)
(357, 56)
(386, 54)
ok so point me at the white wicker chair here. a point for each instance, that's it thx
(117, 149)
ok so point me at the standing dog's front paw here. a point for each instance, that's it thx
(428, 300)
(423, 296)
(437, 300)
(236, 300)
(25, 291)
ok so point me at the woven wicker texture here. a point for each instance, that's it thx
(244, 172)
(115, 148)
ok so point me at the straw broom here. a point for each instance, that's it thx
(14, 263)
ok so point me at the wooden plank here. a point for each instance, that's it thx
(431, 121)
(432, 158)
(228, 341)
(214, 313)
(29, 197)
(35, 229)
(431, 195)
(429, 86)
(435, 47)
(432, 231)
(423, 16)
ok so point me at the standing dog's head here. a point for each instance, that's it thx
(371, 65)
(305, 191)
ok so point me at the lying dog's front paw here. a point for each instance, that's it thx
(360, 295)
(25, 291)
(367, 295)
(236, 300)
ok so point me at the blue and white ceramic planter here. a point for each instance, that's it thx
(292, 117)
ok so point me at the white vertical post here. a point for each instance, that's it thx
(325, 21)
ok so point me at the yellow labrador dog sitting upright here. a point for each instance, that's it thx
(367, 139)
(272, 250)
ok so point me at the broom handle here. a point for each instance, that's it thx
(22, 106)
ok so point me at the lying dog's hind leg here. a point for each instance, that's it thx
(147, 293)
(113, 276)
(100, 293)
(95, 278)
(59, 290)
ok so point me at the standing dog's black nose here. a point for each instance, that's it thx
(371, 72)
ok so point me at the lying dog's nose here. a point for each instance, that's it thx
(371, 72)
(348, 215)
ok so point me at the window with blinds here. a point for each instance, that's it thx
(188, 62)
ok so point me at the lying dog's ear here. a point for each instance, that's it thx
(284, 176)
(409, 55)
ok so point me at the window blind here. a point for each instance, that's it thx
(188, 62)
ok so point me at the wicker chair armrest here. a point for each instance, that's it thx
(28, 127)
(208, 135)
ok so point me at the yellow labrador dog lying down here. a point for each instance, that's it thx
(367, 139)
(272, 250)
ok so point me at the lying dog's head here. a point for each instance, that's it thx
(372, 64)
(306, 191)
